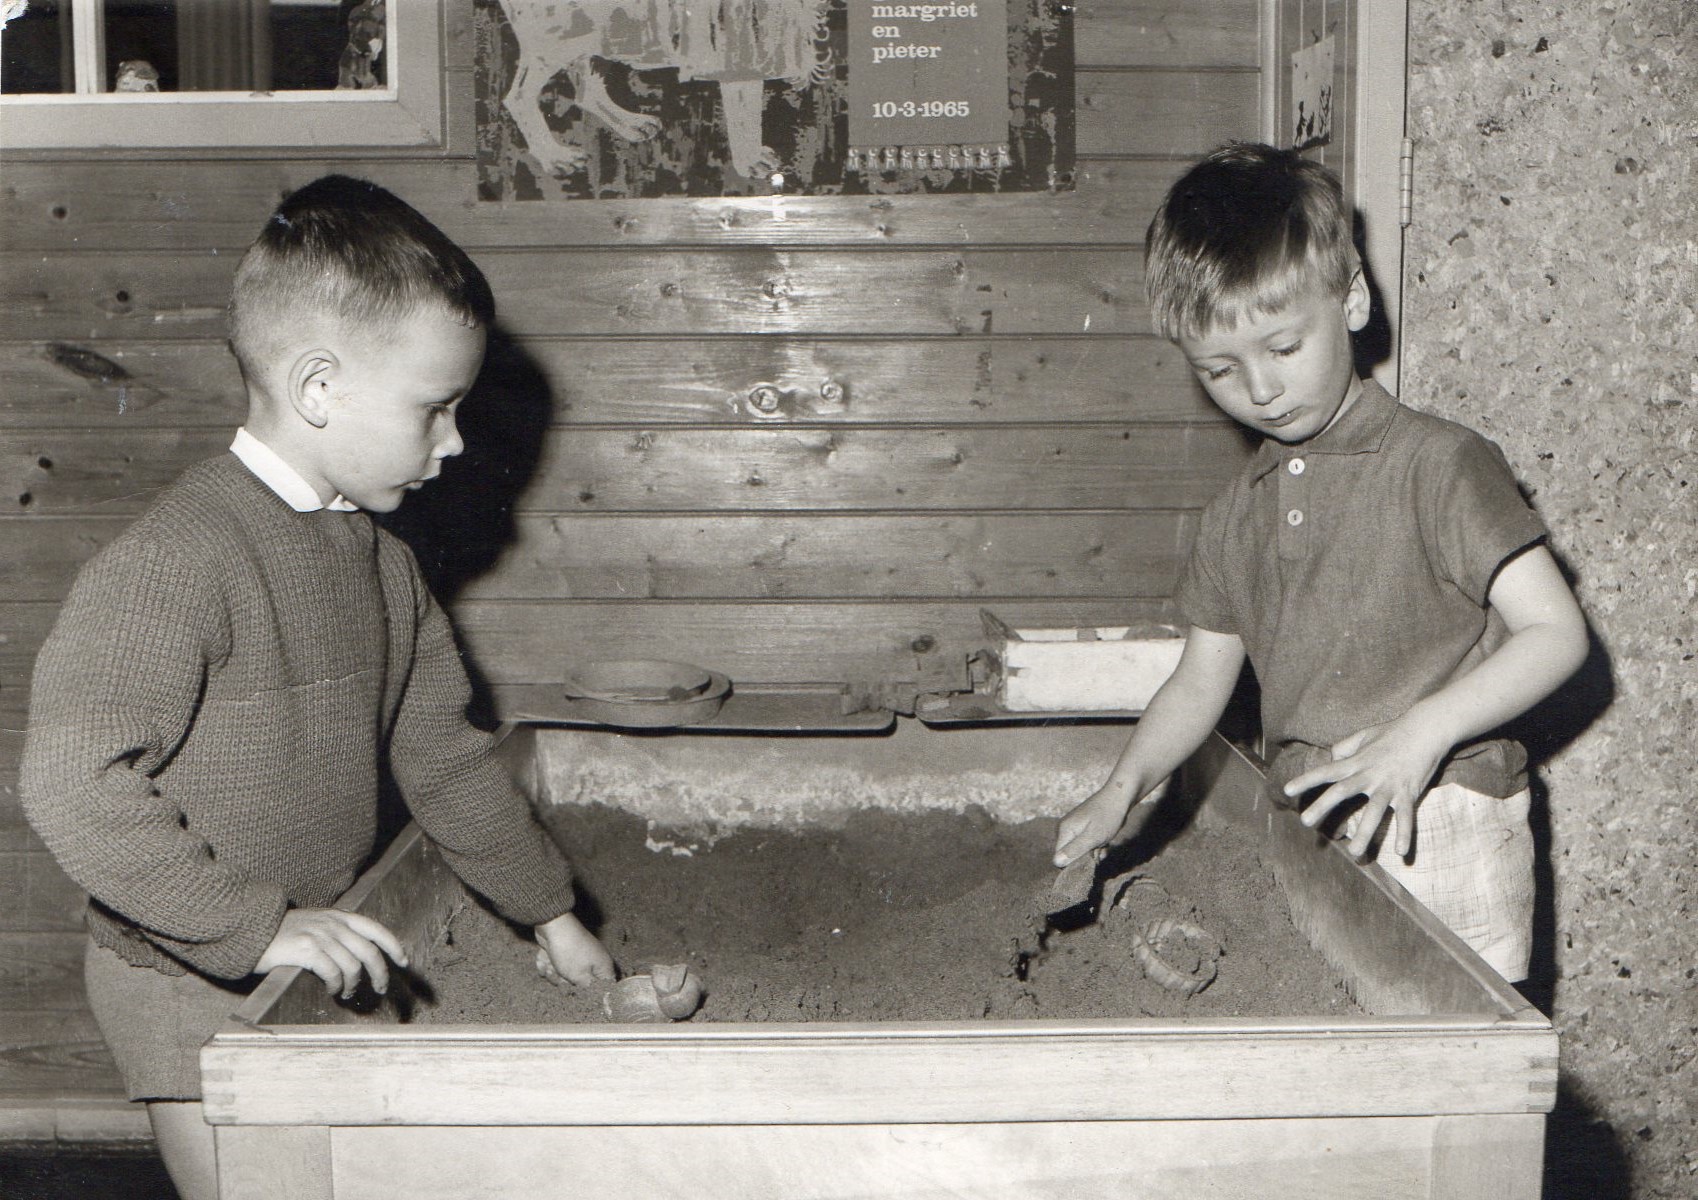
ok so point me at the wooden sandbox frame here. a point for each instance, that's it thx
(1442, 1092)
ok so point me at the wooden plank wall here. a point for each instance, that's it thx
(1007, 434)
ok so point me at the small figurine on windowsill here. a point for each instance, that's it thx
(365, 44)
(136, 75)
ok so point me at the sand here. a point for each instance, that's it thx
(890, 917)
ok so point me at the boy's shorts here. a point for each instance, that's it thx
(1472, 867)
(155, 1024)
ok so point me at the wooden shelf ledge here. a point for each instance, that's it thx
(750, 708)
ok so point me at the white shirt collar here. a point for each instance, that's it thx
(281, 478)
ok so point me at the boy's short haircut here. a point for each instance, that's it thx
(1242, 233)
(354, 250)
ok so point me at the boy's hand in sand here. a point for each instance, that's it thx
(1106, 817)
(336, 946)
(569, 953)
(1091, 824)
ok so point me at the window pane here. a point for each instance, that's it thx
(314, 43)
(141, 46)
(35, 49)
(204, 46)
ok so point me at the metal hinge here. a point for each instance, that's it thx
(1406, 183)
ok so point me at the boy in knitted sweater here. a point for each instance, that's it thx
(229, 679)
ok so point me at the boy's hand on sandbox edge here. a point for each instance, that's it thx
(336, 946)
(567, 953)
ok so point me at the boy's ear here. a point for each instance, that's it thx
(1357, 304)
(309, 384)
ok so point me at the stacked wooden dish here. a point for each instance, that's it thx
(645, 693)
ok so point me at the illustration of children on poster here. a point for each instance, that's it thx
(624, 98)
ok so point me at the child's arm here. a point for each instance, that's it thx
(460, 794)
(1179, 717)
(469, 806)
(1392, 763)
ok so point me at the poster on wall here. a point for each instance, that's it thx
(618, 99)
(1311, 94)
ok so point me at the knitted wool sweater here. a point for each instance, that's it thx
(212, 712)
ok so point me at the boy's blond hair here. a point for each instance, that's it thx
(352, 251)
(1242, 233)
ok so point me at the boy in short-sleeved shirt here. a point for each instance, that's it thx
(1355, 568)
(229, 679)
(1378, 566)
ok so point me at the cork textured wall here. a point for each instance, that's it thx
(1549, 302)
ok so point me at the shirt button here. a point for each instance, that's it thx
(1294, 518)
(1295, 466)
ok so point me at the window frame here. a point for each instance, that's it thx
(1369, 146)
(409, 113)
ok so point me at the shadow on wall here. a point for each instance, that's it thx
(460, 524)
(1549, 727)
(1583, 1160)
(1372, 343)
(1544, 730)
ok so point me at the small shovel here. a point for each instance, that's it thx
(1073, 884)
(1078, 879)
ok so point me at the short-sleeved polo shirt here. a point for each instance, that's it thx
(1354, 568)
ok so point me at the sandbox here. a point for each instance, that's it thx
(1433, 1083)
(892, 916)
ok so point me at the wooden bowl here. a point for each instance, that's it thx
(645, 693)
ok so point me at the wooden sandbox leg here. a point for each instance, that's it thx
(1495, 1157)
(288, 1162)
